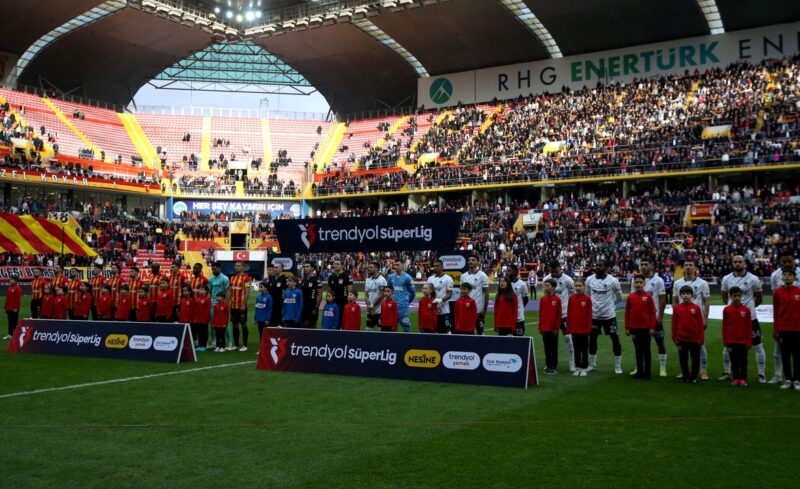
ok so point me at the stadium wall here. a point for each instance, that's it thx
(620, 65)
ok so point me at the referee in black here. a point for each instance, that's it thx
(340, 285)
(276, 284)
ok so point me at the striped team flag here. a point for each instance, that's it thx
(32, 235)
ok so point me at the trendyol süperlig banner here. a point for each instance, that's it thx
(619, 65)
(483, 360)
(385, 233)
(155, 342)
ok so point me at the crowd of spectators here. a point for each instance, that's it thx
(751, 114)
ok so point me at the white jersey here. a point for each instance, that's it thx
(521, 289)
(776, 279)
(605, 293)
(700, 290)
(441, 285)
(479, 282)
(655, 287)
(749, 283)
(374, 289)
(564, 289)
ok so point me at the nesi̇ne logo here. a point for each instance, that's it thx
(423, 358)
(116, 341)
(441, 90)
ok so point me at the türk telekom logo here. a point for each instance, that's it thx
(308, 235)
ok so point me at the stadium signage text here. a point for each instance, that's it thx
(386, 233)
(106, 339)
(217, 206)
(424, 357)
(620, 65)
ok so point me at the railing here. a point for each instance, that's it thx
(229, 112)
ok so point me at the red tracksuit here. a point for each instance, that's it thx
(185, 310)
(466, 315)
(505, 313)
(389, 315)
(123, 311)
(83, 304)
(737, 326)
(165, 305)
(550, 314)
(427, 315)
(103, 305)
(579, 314)
(60, 307)
(201, 312)
(351, 319)
(221, 315)
(786, 304)
(688, 324)
(145, 311)
(46, 312)
(13, 298)
(640, 311)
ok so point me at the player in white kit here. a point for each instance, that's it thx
(480, 289)
(700, 296)
(752, 297)
(373, 288)
(564, 289)
(520, 288)
(443, 285)
(604, 291)
(787, 263)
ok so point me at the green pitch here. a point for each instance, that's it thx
(234, 426)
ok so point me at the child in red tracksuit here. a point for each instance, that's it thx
(505, 309)
(46, 312)
(688, 333)
(123, 310)
(60, 304)
(388, 311)
(13, 304)
(144, 312)
(185, 306)
(579, 326)
(220, 321)
(351, 319)
(83, 303)
(103, 306)
(737, 336)
(165, 302)
(427, 310)
(466, 312)
(786, 303)
(201, 316)
(550, 325)
(640, 322)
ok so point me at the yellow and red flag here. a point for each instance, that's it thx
(33, 235)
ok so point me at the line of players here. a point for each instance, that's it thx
(286, 301)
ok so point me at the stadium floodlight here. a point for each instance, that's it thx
(216, 10)
(239, 17)
(229, 14)
(250, 16)
(258, 13)
(713, 18)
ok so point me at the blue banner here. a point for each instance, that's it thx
(385, 233)
(484, 360)
(155, 342)
(274, 208)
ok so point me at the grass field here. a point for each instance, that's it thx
(234, 426)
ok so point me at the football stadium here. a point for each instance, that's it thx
(400, 243)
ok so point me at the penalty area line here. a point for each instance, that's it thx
(124, 379)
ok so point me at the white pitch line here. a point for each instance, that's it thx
(116, 381)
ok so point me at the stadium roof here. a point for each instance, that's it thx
(108, 50)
